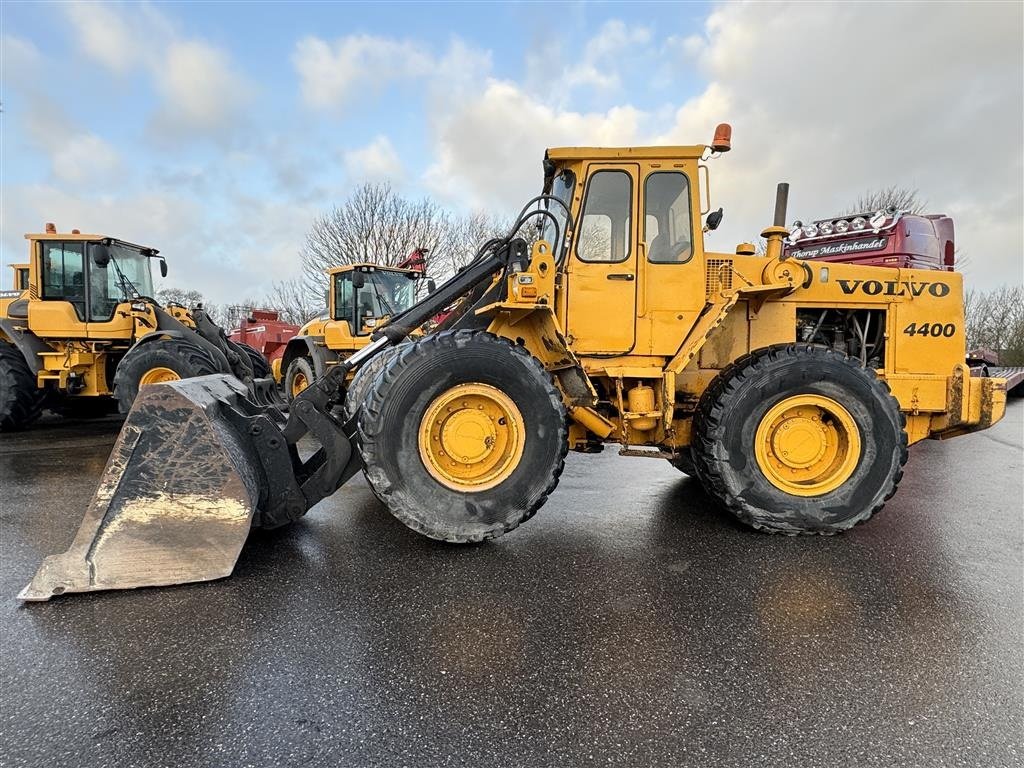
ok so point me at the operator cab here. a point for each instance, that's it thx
(91, 273)
(366, 296)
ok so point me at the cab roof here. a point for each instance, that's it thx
(627, 153)
(87, 238)
(367, 266)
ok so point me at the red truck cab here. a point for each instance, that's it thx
(889, 238)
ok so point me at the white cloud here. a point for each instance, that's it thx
(813, 106)
(811, 103)
(331, 74)
(20, 59)
(202, 94)
(598, 65)
(488, 151)
(104, 35)
(377, 161)
(75, 156)
(240, 252)
(85, 158)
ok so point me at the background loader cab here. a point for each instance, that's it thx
(81, 330)
(361, 298)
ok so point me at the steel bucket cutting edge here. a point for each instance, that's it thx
(176, 499)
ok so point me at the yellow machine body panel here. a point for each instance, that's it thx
(645, 312)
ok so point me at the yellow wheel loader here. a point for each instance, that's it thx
(80, 331)
(791, 389)
(361, 298)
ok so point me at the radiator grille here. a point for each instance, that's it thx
(719, 276)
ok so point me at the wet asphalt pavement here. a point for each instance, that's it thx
(629, 623)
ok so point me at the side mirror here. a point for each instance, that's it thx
(713, 220)
(431, 285)
(163, 268)
(100, 255)
(358, 280)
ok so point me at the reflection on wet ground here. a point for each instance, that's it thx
(628, 623)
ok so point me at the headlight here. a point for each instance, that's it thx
(811, 230)
(878, 220)
(825, 227)
(795, 232)
(859, 223)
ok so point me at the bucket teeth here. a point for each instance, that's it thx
(176, 499)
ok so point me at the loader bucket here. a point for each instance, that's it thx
(176, 499)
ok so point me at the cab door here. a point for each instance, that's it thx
(602, 269)
(672, 288)
(61, 312)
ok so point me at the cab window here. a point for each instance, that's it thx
(604, 232)
(344, 303)
(64, 274)
(667, 222)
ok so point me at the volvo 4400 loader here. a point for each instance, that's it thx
(790, 388)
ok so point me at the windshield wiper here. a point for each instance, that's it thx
(127, 286)
(388, 309)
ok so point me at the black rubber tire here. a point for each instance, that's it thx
(389, 426)
(299, 365)
(364, 377)
(683, 461)
(21, 401)
(182, 356)
(260, 366)
(731, 409)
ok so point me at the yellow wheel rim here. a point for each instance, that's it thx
(299, 383)
(807, 445)
(158, 375)
(471, 437)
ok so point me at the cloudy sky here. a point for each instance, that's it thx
(216, 132)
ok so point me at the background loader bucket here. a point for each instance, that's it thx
(176, 499)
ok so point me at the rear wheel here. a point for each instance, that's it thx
(260, 366)
(799, 439)
(463, 436)
(158, 362)
(21, 401)
(298, 376)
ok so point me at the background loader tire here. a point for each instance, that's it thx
(185, 358)
(768, 398)
(406, 404)
(260, 366)
(21, 401)
(300, 374)
(365, 376)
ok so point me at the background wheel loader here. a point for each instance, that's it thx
(360, 299)
(792, 389)
(80, 331)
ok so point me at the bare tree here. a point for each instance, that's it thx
(895, 196)
(374, 225)
(185, 297)
(995, 321)
(294, 302)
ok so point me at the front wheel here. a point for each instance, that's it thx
(260, 366)
(298, 376)
(799, 439)
(463, 436)
(21, 400)
(157, 362)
